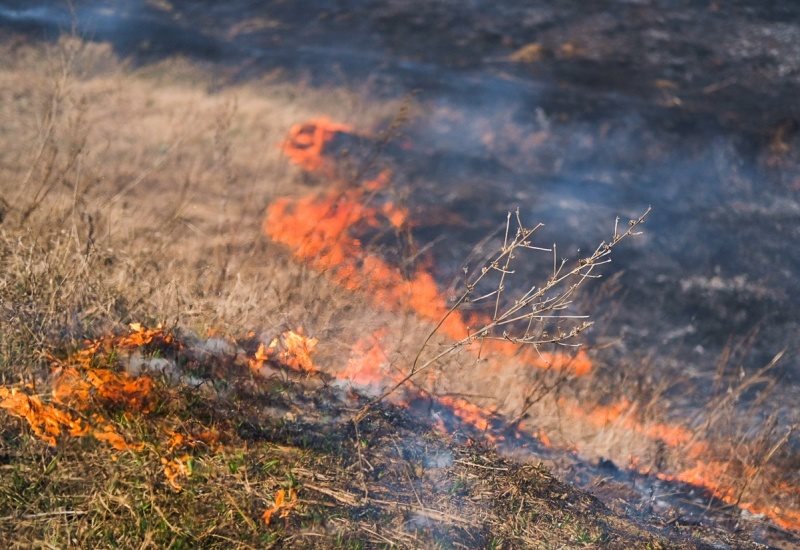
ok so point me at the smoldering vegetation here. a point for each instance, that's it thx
(135, 192)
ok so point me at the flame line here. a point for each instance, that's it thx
(317, 228)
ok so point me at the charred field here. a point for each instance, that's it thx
(399, 274)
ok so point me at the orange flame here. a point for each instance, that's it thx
(107, 433)
(47, 421)
(208, 437)
(623, 413)
(259, 359)
(50, 421)
(323, 230)
(712, 475)
(306, 142)
(76, 389)
(141, 336)
(292, 350)
(319, 229)
(367, 358)
(368, 355)
(176, 469)
(467, 412)
(297, 351)
(78, 384)
(282, 506)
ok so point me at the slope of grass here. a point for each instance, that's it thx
(137, 196)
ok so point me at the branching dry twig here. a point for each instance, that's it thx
(522, 319)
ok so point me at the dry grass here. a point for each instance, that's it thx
(137, 196)
(154, 187)
(291, 434)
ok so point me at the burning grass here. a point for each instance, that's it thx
(216, 479)
(127, 435)
(328, 230)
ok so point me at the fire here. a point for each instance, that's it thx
(713, 476)
(259, 359)
(142, 336)
(47, 422)
(467, 412)
(297, 351)
(717, 477)
(306, 142)
(326, 229)
(285, 502)
(623, 412)
(82, 390)
(322, 229)
(107, 433)
(89, 387)
(291, 349)
(367, 357)
(207, 437)
(176, 469)
(77, 388)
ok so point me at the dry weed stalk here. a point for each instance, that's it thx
(748, 448)
(533, 318)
